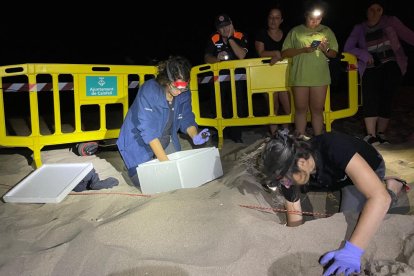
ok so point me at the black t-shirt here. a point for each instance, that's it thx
(333, 151)
(269, 43)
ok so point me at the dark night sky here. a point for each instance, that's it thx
(121, 34)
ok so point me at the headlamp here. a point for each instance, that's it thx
(316, 12)
(180, 84)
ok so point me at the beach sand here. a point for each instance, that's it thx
(229, 226)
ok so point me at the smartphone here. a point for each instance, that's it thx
(315, 43)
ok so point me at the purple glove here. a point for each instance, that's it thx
(346, 260)
(202, 137)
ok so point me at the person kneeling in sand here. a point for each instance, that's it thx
(333, 160)
(161, 109)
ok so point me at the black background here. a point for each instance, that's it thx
(121, 33)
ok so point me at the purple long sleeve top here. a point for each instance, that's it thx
(395, 31)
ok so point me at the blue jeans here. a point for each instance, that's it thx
(353, 200)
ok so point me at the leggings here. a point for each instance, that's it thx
(378, 87)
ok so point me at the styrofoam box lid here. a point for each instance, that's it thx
(50, 183)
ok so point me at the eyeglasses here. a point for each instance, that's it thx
(181, 86)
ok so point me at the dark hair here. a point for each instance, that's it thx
(175, 67)
(281, 154)
(378, 2)
(274, 6)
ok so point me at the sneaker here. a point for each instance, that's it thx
(285, 131)
(381, 138)
(371, 140)
(303, 137)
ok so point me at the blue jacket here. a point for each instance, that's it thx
(146, 120)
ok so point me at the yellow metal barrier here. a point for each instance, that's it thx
(89, 102)
(260, 77)
(103, 88)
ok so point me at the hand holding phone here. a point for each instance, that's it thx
(315, 43)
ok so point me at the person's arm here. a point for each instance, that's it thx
(403, 32)
(209, 58)
(352, 44)
(329, 53)
(260, 49)
(149, 114)
(327, 50)
(239, 51)
(291, 52)
(294, 213)
(329, 44)
(192, 131)
(158, 150)
(261, 52)
(377, 204)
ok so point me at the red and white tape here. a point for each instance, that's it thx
(25, 87)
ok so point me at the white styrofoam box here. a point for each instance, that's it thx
(50, 183)
(184, 169)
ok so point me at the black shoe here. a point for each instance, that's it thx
(234, 134)
(371, 140)
(381, 138)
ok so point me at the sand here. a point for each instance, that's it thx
(198, 231)
(229, 226)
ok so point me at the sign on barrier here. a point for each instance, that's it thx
(101, 86)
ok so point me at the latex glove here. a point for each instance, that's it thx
(346, 260)
(202, 137)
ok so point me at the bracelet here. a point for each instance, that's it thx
(327, 50)
(230, 37)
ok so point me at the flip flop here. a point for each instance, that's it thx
(402, 181)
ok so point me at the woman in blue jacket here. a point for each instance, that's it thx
(161, 108)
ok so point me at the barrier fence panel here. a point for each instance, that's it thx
(53, 104)
(261, 82)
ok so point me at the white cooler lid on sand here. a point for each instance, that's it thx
(50, 183)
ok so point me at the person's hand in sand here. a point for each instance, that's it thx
(334, 161)
(346, 260)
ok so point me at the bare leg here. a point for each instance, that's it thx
(382, 124)
(301, 100)
(284, 99)
(273, 127)
(317, 102)
(371, 125)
